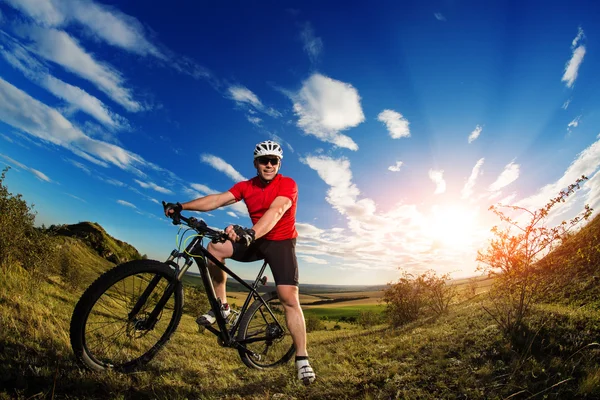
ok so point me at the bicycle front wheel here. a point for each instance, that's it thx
(112, 327)
(265, 333)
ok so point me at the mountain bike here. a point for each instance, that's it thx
(130, 312)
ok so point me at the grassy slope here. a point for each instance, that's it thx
(461, 355)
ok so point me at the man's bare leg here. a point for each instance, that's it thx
(294, 317)
(221, 251)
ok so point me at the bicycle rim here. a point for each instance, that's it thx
(266, 335)
(113, 339)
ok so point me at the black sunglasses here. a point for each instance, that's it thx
(265, 160)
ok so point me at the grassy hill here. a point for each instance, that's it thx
(460, 355)
(99, 241)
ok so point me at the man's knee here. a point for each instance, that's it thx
(288, 295)
(221, 251)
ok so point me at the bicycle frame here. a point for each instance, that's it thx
(196, 251)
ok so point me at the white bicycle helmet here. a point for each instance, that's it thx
(268, 148)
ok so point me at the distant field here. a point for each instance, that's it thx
(341, 311)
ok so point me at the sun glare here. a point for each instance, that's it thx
(452, 226)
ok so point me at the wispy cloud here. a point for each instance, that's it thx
(572, 66)
(467, 190)
(437, 177)
(23, 112)
(396, 167)
(314, 260)
(153, 186)
(325, 107)
(38, 174)
(59, 47)
(313, 46)
(232, 214)
(20, 58)
(573, 124)
(439, 16)
(396, 124)
(475, 134)
(508, 175)
(254, 120)
(109, 25)
(566, 104)
(126, 204)
(245, 97)
(103, 22)
(221, 165)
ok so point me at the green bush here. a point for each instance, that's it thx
(314, 323)
(20, 241)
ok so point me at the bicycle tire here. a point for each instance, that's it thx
(277, 347)
(108, 297)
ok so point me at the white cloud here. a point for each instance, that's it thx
(242, 94)
(475, 134)
(245, 97)
(437, 176)
(59, 47)
(586, 163)
(374, 239)
(396, 167)
(313, 46)
(153, 186)
(439, 16)
(254, 120)
(20, 58)
(232, 214)
(467, 190)
(396, 124)
(574, 123)
(103, 22)
(508, 175)
(314, 260)
(572, 66)
(203, 189)
(566, 104)
(38, 174)
(126, 204)
(221, 165)
(23, 112)
(325, 107)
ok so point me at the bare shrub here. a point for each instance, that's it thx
(412, 297)
(512, 260)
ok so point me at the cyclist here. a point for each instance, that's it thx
(271, 201)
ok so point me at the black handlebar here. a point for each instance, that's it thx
(198, 225)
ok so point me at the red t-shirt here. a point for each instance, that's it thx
(258, 197)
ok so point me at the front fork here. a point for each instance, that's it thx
(152, 319)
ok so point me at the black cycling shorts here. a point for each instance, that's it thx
(280, 254)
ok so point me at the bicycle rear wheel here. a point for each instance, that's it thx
(104, 332)
(265, 334)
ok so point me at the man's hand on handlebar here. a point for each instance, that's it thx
(238, 234)
(171, 208)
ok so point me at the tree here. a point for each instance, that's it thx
(512, 259)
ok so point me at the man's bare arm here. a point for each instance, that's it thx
(278, 207)
(210, 202)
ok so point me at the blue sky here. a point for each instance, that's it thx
(401, 122)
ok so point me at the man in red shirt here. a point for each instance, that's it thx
(271, 201)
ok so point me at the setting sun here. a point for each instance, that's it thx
(452, 226)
